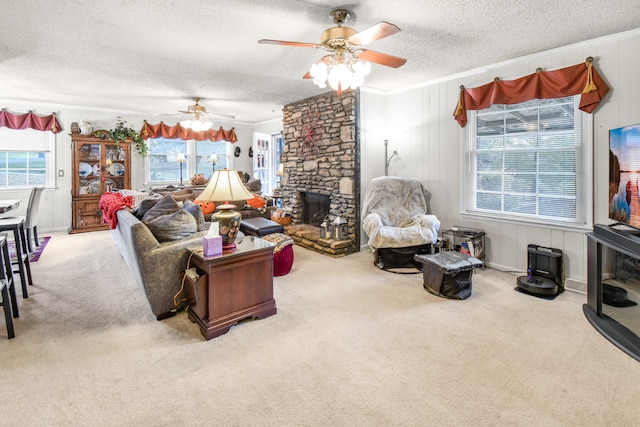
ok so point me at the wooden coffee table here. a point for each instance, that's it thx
(233, 286)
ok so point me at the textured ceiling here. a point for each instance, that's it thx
(153, 56)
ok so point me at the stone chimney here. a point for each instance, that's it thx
(322, 155)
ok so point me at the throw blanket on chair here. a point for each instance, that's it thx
(110, 203)
(395, 214)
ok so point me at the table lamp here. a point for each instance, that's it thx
(225, 185)
(213, 159)
(180, 158)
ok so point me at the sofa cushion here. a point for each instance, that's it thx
(255, 186)
(166, 205)
(181, 197)
(197, 213)
(144, 206)
(173, 226)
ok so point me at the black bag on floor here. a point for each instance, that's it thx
(448, 274)
(386, 258)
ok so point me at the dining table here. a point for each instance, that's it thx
(8, 205)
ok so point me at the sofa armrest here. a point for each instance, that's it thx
(162, 268)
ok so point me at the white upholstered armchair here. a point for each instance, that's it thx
(396, 219)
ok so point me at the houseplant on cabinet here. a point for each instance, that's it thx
(122, 133)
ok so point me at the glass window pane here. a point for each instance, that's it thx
(17, 177)
(557, 207)
(558, 161)
(489, 201)
(204, 149)
(520, 183)
(37, 177)
(18, 159)
(520, 162)
(489, 162)
(37, 160)
(520, 204)
(162, 160)
(490, 143)
(528, 158)
(557, 184)
(489, 182)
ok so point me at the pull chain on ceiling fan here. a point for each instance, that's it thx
(345, 67)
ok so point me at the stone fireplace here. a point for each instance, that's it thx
(321, 158)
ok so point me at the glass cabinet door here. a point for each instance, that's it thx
(114, 167)
(89, 169)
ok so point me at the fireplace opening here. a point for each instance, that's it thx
(315, 207)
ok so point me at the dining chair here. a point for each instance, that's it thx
(16, 226)
(6, 273)
(31, 218)
(6, 288)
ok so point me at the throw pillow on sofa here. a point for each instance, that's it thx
(173, 226)
(255, 186)
(197, 213)
(164, 206)
(145, 205)
(257, 202)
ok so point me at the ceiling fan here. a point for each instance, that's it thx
(198, 116)
(340, 70)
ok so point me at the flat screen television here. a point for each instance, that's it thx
(624, 175)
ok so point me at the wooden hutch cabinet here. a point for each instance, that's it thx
(99, 166)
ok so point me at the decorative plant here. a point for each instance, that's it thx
(124, 132)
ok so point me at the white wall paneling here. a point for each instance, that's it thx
(438, 140)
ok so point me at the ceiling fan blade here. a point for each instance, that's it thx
(381, 58)
(219, 116)
(373, 33)
(286, 43)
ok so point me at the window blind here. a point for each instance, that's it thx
(530, 162)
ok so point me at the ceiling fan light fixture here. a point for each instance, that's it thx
(340, 74)
(196, 125)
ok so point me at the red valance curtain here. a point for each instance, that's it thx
(162, 130)
(581, 78)
(29, 121)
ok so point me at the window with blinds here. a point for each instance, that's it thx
(530, 162)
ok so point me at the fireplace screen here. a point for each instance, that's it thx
(315, 208)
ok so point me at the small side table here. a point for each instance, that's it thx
(231, 287)
(466, 240)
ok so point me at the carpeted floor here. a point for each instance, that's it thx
(350, 345)
(35, 256)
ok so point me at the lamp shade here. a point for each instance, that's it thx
(213, 158)
(280, 170)
(223, 186)
(181, 158)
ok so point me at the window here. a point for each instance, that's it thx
(163, 167)
(204, 150)
(26, 158)
(530, 162)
